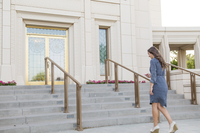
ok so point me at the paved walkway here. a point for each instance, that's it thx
(185, 126)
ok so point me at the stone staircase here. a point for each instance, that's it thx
(32, 109)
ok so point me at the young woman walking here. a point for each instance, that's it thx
(158, 90)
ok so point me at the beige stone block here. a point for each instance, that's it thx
(155, 2)
(132, 2)
(144, 5)
(145, 61)
(88, 59)
(179, 87)
(6, 5)
(88, 25)
(134, 48)
(6, 56)
(6, 18)
(137, 32)
(105, 8)
(126, 44)
(155, 8)
(127, 2)
(87, 9)
(198, 97)
(126, 28)
(143, 71)
(187, 89)
(125, 13)
(136, 4)
(187, 95)
(67, 5)
(127, 60)
(156, 22)
(186, 76)
(127, 75)
(135, 62)
(132, 14)
(179, 77)
(156, 14)
(133, 29)
(173, 85)
(143, 46)
(145, 33)
(6, 73)
(142, 19)
(173, 78)
(6, 37)
(89, 73)
(139, 63)
(88, 42)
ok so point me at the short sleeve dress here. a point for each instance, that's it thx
(160, 88)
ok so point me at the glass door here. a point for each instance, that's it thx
(40, 46)
(57, 52)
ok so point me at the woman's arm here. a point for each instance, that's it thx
(153, 76)
(151, 89)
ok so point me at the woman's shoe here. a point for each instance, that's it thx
(155, 129)
(173, 127)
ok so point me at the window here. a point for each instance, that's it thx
(103, 49)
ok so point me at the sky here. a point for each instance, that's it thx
(180, 13)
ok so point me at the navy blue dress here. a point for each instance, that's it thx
(160, 87)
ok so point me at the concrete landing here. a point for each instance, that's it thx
(185, 126)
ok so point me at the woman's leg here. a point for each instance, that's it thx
(155, 113)
(165, 113)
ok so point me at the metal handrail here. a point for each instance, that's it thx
(136, 81)
(78, 90)
(192, 82)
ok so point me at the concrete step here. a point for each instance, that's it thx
(73, 100)
(30, 119)
(62, 125)
(40, 107)
(61, 90)
(48, 102)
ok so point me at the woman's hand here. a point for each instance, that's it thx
(148, 75)
(151, 91)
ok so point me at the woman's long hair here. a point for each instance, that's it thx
(153, 50)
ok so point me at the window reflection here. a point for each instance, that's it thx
(103, 49)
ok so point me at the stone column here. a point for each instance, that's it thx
(6, 69)
(182, 61)
(88, 45)
(167, 49)
(197, 53)
(126, 36)
(143, 35)
(162, 49)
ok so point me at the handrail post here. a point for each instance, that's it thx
(137, 93)
(193, 89)
(168, 77)
(66, 94)
(45, 71)
(78, 107)
(52, 78)
(116, 79)
(106, 72)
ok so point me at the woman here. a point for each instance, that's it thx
(158, 90)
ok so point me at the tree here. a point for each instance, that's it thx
(174, 59)
(190, 61)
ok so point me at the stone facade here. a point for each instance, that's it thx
(128, 22)
(133, 26)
